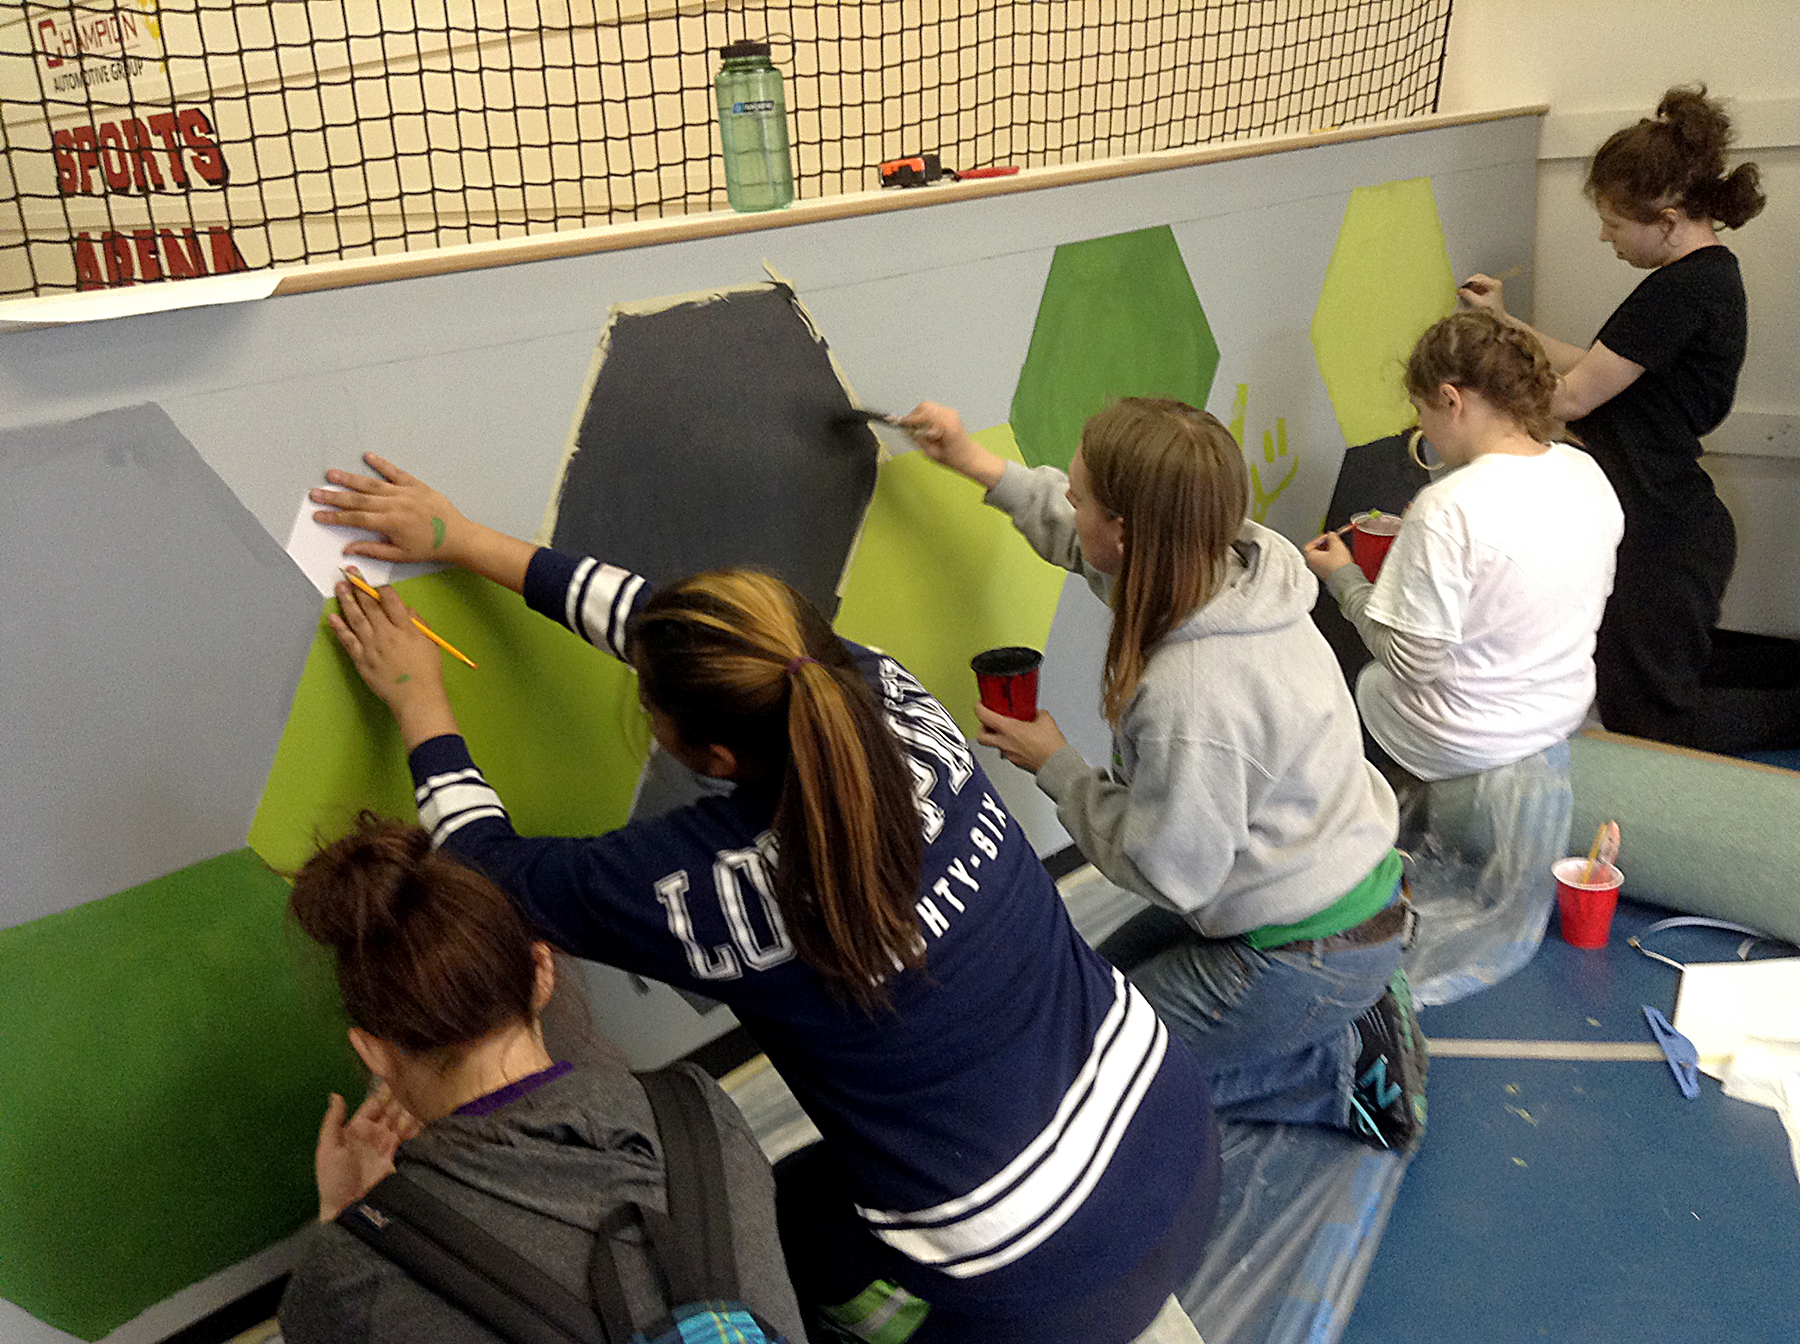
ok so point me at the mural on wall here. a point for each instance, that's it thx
(1388, 280)
(711, 424)
(1119, 318)
(190, 730)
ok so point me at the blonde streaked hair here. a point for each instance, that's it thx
(737, 658)
(1177, 478)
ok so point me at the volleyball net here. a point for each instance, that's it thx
(150, 140)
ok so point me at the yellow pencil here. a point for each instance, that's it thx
(362, 586)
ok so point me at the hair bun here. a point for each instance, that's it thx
(372, 877)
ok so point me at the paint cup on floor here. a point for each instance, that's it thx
(1371, 534)
(1584, 910)
(1008, 678)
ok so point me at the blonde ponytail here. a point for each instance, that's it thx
(738, 659)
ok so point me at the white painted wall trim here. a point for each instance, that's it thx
(1754, 433)
(1761, 123)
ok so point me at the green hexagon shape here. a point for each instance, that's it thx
(1119, 318)
(553, 723)
(1388, 279)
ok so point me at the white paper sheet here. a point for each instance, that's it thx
(319, 551)
(101, 305)
(1723, 1002)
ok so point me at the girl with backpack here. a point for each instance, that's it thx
(444, 985)
(1237, 801)
(1011, 1147)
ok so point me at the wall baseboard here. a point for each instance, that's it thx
(1752, 433)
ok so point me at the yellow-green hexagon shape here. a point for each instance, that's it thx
(1119, 318)
(553, 722)
(1388, 279)
(938, 576)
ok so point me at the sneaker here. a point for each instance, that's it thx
(1387, 1102)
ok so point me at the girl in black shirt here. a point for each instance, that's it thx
(1661, 373)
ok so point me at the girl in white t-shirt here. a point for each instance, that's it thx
(1482, 629)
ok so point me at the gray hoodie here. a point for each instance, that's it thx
(1238, 794)
(538, 1173)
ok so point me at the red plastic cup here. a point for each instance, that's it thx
(1008, 678)
(1585, 909)
(1371, 534)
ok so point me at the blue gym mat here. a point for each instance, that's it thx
(1560, 1200)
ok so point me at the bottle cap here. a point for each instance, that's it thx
(738, 50)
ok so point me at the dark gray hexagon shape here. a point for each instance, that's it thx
(714, 433)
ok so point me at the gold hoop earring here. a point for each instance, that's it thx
(1412, 450)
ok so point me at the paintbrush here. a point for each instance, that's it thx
(863, 416)
(1605, 850)
(357, 581)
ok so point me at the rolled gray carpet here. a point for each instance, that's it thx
(1702, 834)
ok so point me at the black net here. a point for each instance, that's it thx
(159, 139)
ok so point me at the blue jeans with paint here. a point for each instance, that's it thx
(1272, 1029)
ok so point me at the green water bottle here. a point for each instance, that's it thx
(753, 129)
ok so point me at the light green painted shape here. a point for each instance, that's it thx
(1275, 457)
(938, 576)
(164, 1062)
(1388, 279)
(1119, 318)
(553, 723)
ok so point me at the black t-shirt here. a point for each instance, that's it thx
(1686, 324)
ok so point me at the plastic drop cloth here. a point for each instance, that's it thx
(1482, 847)
(1301, 1208)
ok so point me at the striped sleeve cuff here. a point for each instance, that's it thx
(592, 599)
(451, 792)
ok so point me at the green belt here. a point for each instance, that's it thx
(1368, 897)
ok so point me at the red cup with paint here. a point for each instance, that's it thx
(1371, 534)
(1584, 910)
(1008, 678)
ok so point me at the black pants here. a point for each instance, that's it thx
(832, 1257)
(1661, 672)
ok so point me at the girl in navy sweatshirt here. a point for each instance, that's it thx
(1011, 1147)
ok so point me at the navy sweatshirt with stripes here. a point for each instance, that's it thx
(1020, 1127)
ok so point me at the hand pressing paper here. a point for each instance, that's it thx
(318, 548)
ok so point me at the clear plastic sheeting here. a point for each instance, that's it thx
(1481, 849)
(1301, 1213)
(1301, 1208)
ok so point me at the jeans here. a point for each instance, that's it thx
(1272, 1030)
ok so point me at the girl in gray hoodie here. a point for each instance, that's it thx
(1237, 801)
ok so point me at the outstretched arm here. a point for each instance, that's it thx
(1488, 294)
(1598, 377)
(939, 432)
(418, 524)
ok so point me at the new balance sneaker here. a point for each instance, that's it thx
(1387, 1103)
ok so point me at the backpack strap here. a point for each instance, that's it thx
(694, 1169)
(455, 1258)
